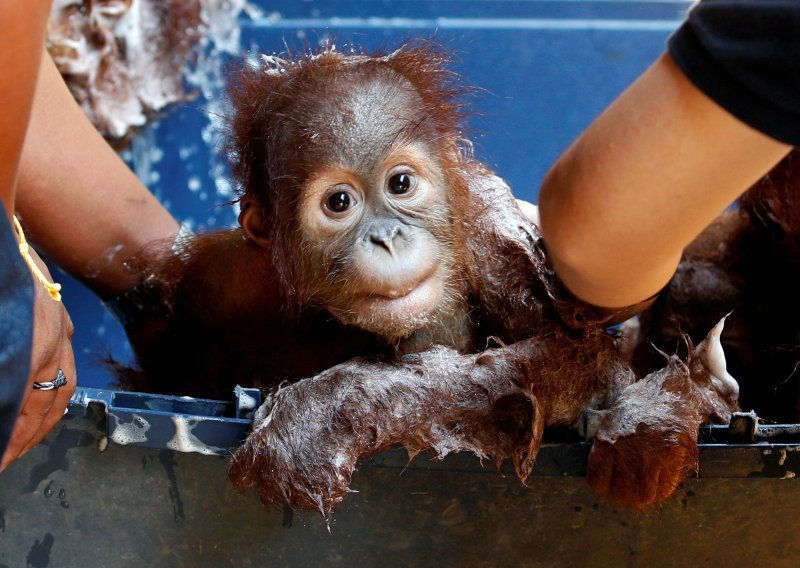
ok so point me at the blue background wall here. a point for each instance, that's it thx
(545, 69)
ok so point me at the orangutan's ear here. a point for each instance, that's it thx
(252, 221)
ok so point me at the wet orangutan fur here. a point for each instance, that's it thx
(274, 301)
(647, 440)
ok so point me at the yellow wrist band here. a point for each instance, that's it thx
(53, 288)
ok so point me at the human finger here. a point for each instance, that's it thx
(59, 406)
(29, 422)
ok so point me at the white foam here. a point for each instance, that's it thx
(717, 366)
(246, 401)
(134, 432)
(185, 441)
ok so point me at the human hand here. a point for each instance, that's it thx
(51, 351)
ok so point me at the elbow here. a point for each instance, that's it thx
(590, 261)
(595, 265)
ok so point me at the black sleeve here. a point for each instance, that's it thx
(16, 328)
(745, 55)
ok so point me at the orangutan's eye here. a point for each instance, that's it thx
(402, 183)
(339, 202)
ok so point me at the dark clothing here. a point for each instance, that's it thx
(745, 55)
(16, 328)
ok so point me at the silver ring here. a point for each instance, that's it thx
(59, 381)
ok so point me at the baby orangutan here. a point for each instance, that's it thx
(369, 231)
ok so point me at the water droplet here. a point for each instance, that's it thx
(62, 494)
(65, 504)
(194, 183)
(48, 491)
(224, 187)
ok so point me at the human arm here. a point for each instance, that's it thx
(82, 204)
(32, 350)
(641, 182)
(19, 60)
(78, 201)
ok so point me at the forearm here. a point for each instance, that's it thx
(80, 202)
(644, 179)
(21, 45)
